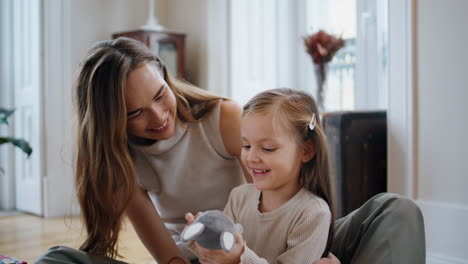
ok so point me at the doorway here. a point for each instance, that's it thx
(21, 83)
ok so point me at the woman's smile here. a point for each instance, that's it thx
(162, 128)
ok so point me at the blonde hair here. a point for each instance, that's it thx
(105, 174)
(293, 110)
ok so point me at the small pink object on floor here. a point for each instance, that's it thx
(8, 260)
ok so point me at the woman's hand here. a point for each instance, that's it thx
(208, 256)
(190, 218)
(331, 259)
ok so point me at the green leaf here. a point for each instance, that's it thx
(4, 114)
(20, 143)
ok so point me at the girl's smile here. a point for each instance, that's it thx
(258, 173)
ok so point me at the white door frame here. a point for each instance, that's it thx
(58, 182)
(26, 87)
(401, 118)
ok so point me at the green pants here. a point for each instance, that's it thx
(386, 229)
(66, 255)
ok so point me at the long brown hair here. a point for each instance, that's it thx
(105, 174)
(294, 110)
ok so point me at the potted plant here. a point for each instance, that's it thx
(17, 142)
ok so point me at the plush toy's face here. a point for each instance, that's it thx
(212, 230)
(193, 230)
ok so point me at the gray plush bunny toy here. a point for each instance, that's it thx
(212, 230)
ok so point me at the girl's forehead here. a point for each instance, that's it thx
(258, 119)
(263, 126)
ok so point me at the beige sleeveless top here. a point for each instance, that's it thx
(190, 172)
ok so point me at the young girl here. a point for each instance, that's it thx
(287, 213)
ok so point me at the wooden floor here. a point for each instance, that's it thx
(26, 237)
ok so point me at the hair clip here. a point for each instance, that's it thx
(313, 122)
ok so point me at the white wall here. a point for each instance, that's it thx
(442, 100)
(441, 115)
(92, 21)
(191, 17)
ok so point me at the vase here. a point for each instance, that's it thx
(321, 77)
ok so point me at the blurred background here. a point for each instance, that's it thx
(404, 58)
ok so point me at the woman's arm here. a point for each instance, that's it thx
(151, 230)
(230, 118)
(331, 259)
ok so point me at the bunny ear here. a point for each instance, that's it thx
(227, 241)
(192, 231)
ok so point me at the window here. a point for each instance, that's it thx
(357, 75)
(266, 49)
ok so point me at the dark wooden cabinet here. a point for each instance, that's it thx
(168, 46)
(357, 144)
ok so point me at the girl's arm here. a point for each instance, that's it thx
(151, 230)
(230, 118)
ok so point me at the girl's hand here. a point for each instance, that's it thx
(208, 256)
(331, 259)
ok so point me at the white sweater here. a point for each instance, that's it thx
(296, 232)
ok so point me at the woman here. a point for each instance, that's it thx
(152, 148)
